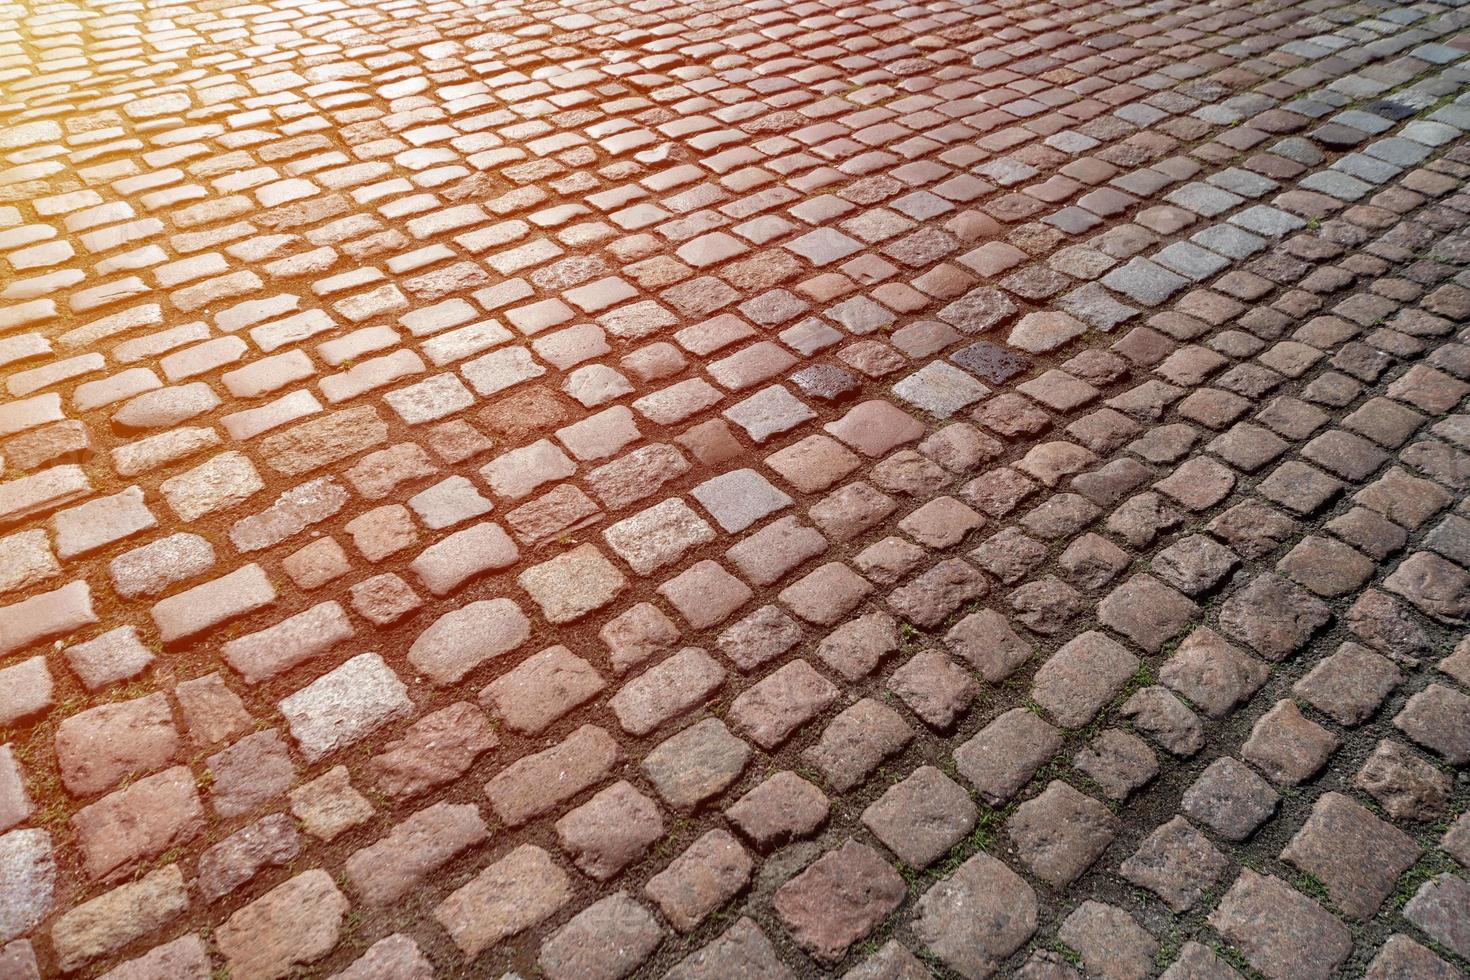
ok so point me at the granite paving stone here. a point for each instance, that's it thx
(701, 490)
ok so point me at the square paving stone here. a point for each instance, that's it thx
(930, 597)
(1438, 908)
(1280, 931)
(667, 689)
(769, 412)
(1402, 957)
(1161, 716)
(1060, 833)
(698, 763)
(610, 831)
(774, 708)
(1082, 677)
(857, 742)
(609, 938)
(839, 899)
(783, 808)
(1273, 617)
(992, 362)
(759, 637)
(975, 918)
(345, 706)
(1000, 759)
(891, 962)
(641, 632)
(941, 523)
(1194, 564)
(876, 427)
(1300, 488)
(1147, 611)
(940, 389)
(921, 818)
(1119, 762)
(1287, 746)
(738, 499)
(709, 873)
(1356, 855)
(934, 688)
(742, 951)
(658, 536)
(1349, 685)
(1230, 798)
(985, 640)
(1110, 941)
(814, 463)
(573, 584)
(1438, 718)
(541, 689)
(705, 594)
(1214, 675)
(1144, 281)
(826, 594)
(1175, 862)
(1408, 786)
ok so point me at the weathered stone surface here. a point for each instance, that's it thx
(976, 917)
(1214, 675)
(1082, 677)
(611, 830)
(384, 872)
(856, 743)
(1175, 862)
(1287, 746)
(269, 842)
(101, 746)
(839, 899)
(520, 890)
(743, 950)
(434, 750)
(141, 821)
(696, 764)
(463, 638)
(1060, 833)
(116, 918)
(28, 871)
(396, 957)
(1438, 907)
(608, 939)
(534, 784)
(572, 585)
(328, 805)
(290, 926)
(1335, 845)
(1273, 617)
(666, 690)
(1003, 756)
(184, 958)
(783, 807)
(1281, 932)
(296, 639)
(541, 689)
(709, 873)
(922, 817)
(345, 706)
(1408, 786)
(1110, 941)
(325, 440)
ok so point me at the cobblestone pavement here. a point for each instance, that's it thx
(727, 490)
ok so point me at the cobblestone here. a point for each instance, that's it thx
(1060, 405)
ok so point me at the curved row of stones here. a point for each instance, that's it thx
(522, 487)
